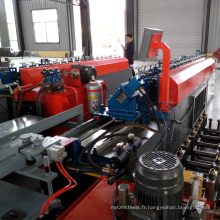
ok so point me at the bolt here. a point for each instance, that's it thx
(217, 160)
(193, 131)
(197, 124)
(180, 150)
(186, 140)
(212, 172)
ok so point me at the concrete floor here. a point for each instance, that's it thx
(213, 109)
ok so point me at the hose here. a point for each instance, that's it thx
(31, 88)
(66, 188)
(152, 107)
(40, 102)
(147, 105)
(76, 93)
(37, 97)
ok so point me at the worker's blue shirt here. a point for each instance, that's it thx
(129, 52)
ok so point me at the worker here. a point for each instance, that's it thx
(129, 51)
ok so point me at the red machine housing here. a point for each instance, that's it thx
(103, 67)
(175, 85)
(59, 101)
(184, 80)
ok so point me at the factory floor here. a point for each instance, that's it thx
(213, 109)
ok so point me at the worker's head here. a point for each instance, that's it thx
(129, 37)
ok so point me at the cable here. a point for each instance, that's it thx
(184, 119)
(52, 197)
(82, 170)
(66, 188)
(113, 204)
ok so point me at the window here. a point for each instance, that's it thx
(45, 26)
(107, 27)
(12, 32)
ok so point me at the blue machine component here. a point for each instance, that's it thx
(70, 59)
(52, 76)
(77, 148)
(44, 62)
(157, 69)
(126, 103)
(8, 76)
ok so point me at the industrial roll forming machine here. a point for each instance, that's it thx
(145, 153)
(62, 86)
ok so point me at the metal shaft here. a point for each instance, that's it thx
(210, 137)
(123, 194)
(200, 164)
(209, 145)
(205, 153)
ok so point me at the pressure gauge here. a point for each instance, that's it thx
(74, 74)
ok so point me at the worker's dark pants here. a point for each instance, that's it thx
(131, 67)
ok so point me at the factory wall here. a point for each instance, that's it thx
(26, 8)
(214, 27)
(181, 20)
(3, 26)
